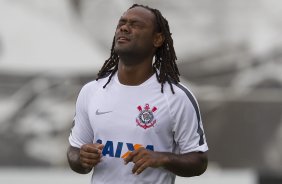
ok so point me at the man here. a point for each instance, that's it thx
(136, 123)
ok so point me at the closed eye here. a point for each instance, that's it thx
(137, 24)
(131, 23)
(121, 23)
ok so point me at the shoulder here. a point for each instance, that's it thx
(181, 91)
(92, 86)
(183, 96)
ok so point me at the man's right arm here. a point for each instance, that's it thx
(82, 160)
(73, 155)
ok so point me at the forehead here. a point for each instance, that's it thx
(139, 13)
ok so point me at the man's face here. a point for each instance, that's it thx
(135, 33)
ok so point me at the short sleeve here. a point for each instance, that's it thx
(188, 128)
(82, 132)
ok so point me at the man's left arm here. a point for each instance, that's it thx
(186, 165)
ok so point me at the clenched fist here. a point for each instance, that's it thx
(90, 155)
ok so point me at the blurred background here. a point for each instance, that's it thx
(229, 53)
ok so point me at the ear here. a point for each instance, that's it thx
(158, 40)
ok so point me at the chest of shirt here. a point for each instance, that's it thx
(132, 114)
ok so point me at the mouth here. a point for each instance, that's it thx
(122, 39)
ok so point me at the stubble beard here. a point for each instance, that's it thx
(128, 56)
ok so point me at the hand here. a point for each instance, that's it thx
(143, 158)
(90, 155)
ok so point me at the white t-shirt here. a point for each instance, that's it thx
(121, 117)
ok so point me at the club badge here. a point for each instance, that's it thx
(146, 118)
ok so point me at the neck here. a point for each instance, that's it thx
(135, 73)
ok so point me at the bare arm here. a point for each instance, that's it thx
(82, 160)
(74, 160)
(186, 165)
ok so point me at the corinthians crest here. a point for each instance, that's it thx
(146, 118)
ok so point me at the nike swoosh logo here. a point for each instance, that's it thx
(100, 112)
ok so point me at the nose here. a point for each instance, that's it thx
(124, 28)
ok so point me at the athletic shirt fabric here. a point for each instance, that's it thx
(122, 117)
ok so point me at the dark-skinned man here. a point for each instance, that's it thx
(136, 123)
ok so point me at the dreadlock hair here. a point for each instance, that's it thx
(164, 65)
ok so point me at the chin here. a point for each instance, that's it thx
(122, 51)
